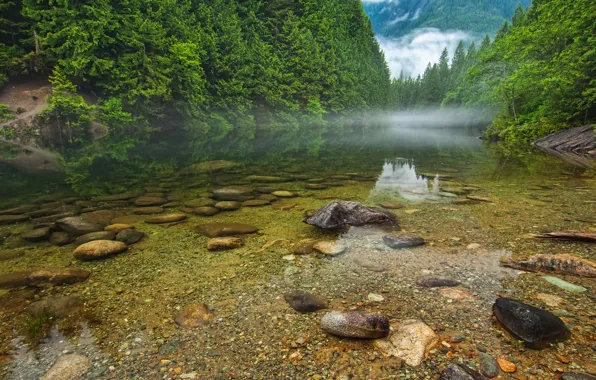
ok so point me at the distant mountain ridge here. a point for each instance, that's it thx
(395, 18)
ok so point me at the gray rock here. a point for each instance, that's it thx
(436, 282)
(57, 307)
(129, 236)
(304, 302)
(456, 371)
(576, 376)
(36, 235)
(356, 324)
(397, 241)
(99, 235)
(78, 225)
(489, 366)
(340, 215)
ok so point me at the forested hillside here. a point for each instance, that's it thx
(397, 18)
(538, 73)
(199, 70)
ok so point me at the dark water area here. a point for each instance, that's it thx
(170, 306)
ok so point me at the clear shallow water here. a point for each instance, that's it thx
(130, 299)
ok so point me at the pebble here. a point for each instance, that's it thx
(329, 247)
(284, 194)
(224, 243)
(98, 249)
(193, 316)
(506, 365)
(410, 341)
(68, 367)
(373, 297)
(356, 324)
(170, 218)
(130, 236)
(549, 299)
(304, 302)
(489, 366)
(473, 246)
(397, 241)
(228, 205)
(564, 284)
(118, 227)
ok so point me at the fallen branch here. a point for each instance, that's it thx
(581, 236)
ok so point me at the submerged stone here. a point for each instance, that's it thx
(99, 249)
(329, 247)
(284, 194)
(225, 229)
(266, 179)
(233, 193)
(205, 211)
(170, 218)
(564, 284)
(100, 235)
(436, 282)
(398, 241)
(208, 166)
(315, 186)
(193, 316)
(72, 366)
(456, 371)
(411, 341)
(200, 202)
(224, 243)
(60, 238)
(576, 376)
(256, 203)
(148, 210)
(129, 236)
(117, 197)
(489, 366)
(304, 302)
(36, 235)
(391, 205)
(79, 225)
(533, 325)
(356, 324)
(228, 205)
(118, 227)
(11, 219)
(564, 264)
(54, 276)
(340, 215)
(19, 210)
(57, 307)
(150, 201)
(268, 197)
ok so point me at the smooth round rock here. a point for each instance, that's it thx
(224, 243)
(532, 325)
(436, 282)
(200, 202)
(329, 247)
(489, 366)
(118, 227)
(79, 225)
(170, 218)
(397, 241)
(233, 193)
(99, 249)
(284, 194)
(193, 316)
(205, 211)
(36, 235)
(256, 203)
(130, 236)
(304, 302)
(356, 324)
(228, 205)
(99, 235)
(150, 201)
(148, 210)
(225, 229)
(268, 197)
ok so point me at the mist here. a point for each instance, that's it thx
(436, 118)
(414, 51)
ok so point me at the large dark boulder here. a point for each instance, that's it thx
(343, 214)
(534, 326)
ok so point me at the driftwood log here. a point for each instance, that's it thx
(570, 235)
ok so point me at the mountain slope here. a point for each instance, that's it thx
(392, 18)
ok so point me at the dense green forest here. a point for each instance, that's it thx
(538, 73)
(397, 18)
(198, 71)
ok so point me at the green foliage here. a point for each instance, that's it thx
(5, 113)
(538, 73)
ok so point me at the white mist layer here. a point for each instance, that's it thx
(413, 52)
(436, 118)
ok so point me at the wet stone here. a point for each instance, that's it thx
(266, 179)
(398, 241)
(315, 186)
(12, 219)
(265, 190)
(356, 324)
(148, 210)
(129, 236)
(36, 235)
(68, 367)
(170, 218)
(436, 282)
(304, 302)
(78, 225)
(410, 341)
(150, 201)
(100, 235)
(10, 255)
(155, 195)
(456, 371)
(57, 307)
(391, 206)
(228, 205)
(19, 210)
(200, 202)
(489, 366)
(52, 218)
(370, 265)
(205, 211)
(39, 213)
(267, 197)
(193, 316)
(117, 197)
(533, 325)
(340, 215)
(329, 247)
(225, 229)
(66, 209)
(284, 194)
(576, 376)
(118, 227)
(99, 249)
(572, 288)
(304, 247)
(234, 193)
(171, 205)
(256, 203)
(127, 219)
(224, 243)
(60, 238)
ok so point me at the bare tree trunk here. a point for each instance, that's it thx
(36, 42)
